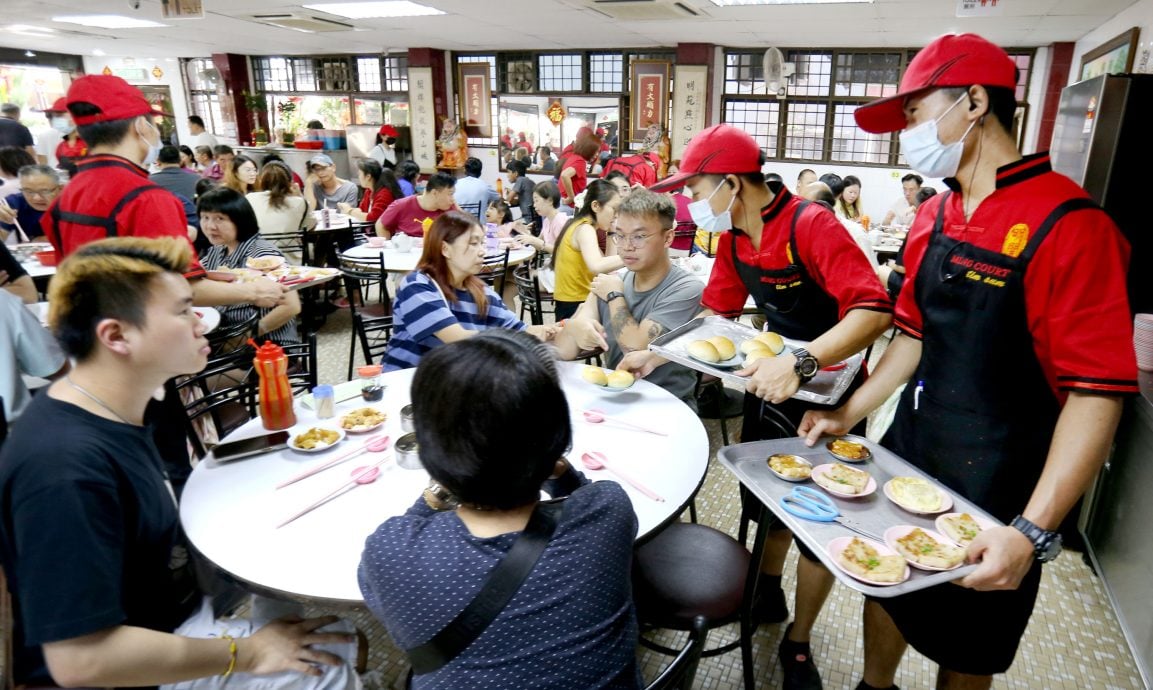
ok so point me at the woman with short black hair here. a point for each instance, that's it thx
(571, 623)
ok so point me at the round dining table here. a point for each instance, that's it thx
(396, 261)
(230, 511)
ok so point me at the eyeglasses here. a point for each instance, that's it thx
(43, 194)
(630, 240)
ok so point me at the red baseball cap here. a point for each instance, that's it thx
(116, 99)
(60, 105)
(951, 60)
(389, 131)
(718, 150)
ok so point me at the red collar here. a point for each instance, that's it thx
(1020, 170)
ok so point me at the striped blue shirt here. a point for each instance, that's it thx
(421, 309)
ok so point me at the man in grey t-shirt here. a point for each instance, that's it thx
(323, 189)
(653, 298)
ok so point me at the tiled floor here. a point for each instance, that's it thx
(1073, 640)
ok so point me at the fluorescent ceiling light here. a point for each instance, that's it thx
(106, 21)
(376, 10)
(745, 3)
(26, 29)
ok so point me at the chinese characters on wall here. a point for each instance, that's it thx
(423, 117)
(689, 105)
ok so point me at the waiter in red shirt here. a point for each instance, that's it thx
(806, 275)
(110, 195)
(572, 170)
(1016, 343)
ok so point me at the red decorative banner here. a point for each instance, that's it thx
(649, 98)
(475, 95)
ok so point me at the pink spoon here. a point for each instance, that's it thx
(361, 475)
(599, 417)
(596, 461)
(376, 444)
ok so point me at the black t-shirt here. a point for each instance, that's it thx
(89, 531)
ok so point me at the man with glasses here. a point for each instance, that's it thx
(21, 213)
(653, 297)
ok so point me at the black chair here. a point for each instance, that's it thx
(219, 396)
(715, 401)
(494, 269)
(302, 366)
(528, 290)
(228, 338)
(690, 571)
(682, 670)
(290, 243)
(371, 319)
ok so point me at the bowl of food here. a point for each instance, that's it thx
(362, 420)
(849, 449)
(791, 468)
(316, 440)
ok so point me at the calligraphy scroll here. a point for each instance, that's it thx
(475, 96)
(420, 103)
(689, 105)
(649, 99)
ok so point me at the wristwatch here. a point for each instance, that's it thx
(613, 295)
(807, 365)
(1046, 543)
(438, 498)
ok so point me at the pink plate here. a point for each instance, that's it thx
(897, 531)
(838, 545)
(821, 469)
(946, 501)
(981, 522)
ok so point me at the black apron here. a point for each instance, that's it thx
(793, 304)
(978, 413)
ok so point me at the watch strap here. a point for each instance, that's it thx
(613, 295)
(805, 361)
(1043, 540)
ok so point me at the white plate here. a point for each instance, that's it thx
(838, 545)
(318, 449)
(361, 429)
(608, 389)
(733, 362)
(946, 501)
(897, 531)
(788, 478)
(209, 317)
(821, 469)
(274, 262)
(981, 522)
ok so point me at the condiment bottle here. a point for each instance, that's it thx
(370, 388)
(500, 187)
(325, 400)
(275, 392)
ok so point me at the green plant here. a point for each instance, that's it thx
(254, 102)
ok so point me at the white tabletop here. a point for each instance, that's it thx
(230, 511)
(405, 262)
(37, 269)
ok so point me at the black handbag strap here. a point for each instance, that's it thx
(500, 587)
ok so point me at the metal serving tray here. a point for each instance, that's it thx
(826, 388)
(875, 513)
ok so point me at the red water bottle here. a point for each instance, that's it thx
(275, 392)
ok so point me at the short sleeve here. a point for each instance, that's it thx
(350, 194)
(390, 217)
(158, 213)
(678, 304)
(37, 352)
(422, 308)
(837, 264)
(12, 200)
(499, 315)
(725, 293)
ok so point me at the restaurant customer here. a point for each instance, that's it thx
(209, 167)
(278, 210)
(89, 529)
(545, 201)
(172, 176)
(443, 301)
(380, 190)
(1011, 401)
(848, 204)
(14, 279)
(812, 284)
(230, 224)
(406, 176)
(412, 214)
(571, 623)
(905, 208)
(12, 159)
(653, 298)
(520, 188)
(323, 189)
(26, 349)
(240, 175)
(39, 186)
(579, 250)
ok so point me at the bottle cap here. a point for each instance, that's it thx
(322, 391)
(370, 370)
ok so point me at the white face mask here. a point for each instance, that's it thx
(63, 125)
(924, 151)
(708, 221)
(153, 149)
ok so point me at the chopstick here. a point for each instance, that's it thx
(628, 425)
(351, 483)
(335, 461)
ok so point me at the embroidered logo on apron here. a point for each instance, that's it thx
(1015, 240)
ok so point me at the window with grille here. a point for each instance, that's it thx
(337, 81)
(395, 73)
(814, 122)
(560, 72)
(202, 81)
(606, 72)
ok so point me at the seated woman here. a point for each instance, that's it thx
(443, 301)
(848, 204)
(227, 220)
(571, 623)
(278, 210)
(188, 159)
(545, 202)
(380, 190)
(579, 251)
(241, 175)
(406, 174)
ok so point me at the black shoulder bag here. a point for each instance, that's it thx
(502, 583)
